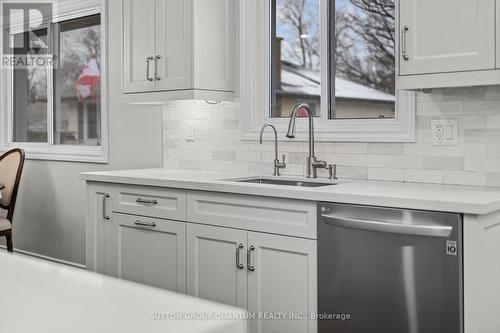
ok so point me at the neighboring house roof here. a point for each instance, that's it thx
(300, 81)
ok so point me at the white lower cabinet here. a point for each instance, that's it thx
(264, 273)
(97, 216)
(146, 250)
(251, 257)
(283, 281)
(216, 264)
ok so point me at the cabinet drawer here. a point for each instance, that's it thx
(273, 215)
(149, 201)
(146, 250)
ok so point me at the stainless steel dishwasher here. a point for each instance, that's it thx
(389, 270)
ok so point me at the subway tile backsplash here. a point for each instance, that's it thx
(474, 161)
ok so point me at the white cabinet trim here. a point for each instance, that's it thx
(295, 218)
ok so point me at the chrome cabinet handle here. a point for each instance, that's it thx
(388, 227)
(157, 77)
(148, 60)
(404, 46)
(146, 201)
(239, 265)
(104, 210)
(250, 267)
(145, 224)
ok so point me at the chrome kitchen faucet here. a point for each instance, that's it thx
(277, 164)
(312, 162)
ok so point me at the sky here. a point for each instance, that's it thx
(288, 34)
(313, 6)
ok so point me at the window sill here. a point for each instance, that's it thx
(398, 130)
(346, 132)
(77, 154)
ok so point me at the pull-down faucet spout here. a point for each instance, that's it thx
(312, 163)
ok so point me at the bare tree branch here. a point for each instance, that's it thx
(366, 43)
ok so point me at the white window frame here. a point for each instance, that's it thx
(49, 151)
(255, 89)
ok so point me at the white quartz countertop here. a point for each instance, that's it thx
(39, 296)
(445, 198)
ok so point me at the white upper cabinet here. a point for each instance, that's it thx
(447, 43)
(447, 35)
(173, 66)
(498, 34)
(138, 45)
(214, 60)
(178, 49)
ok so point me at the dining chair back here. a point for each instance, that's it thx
(11, 168)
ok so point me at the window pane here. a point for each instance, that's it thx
(364, 59)
(295, 54)
(30, 96)
(77, 93)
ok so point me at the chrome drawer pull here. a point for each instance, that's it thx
(239, 265)
(250, 267)
(157, 77)
(104, 210)
(145, 224)
(147, 202)
(148, 59)
(406, 57)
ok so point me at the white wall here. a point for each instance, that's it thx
(474, 161)
(50, 217)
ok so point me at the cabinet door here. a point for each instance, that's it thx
(497, 33)
(97, 216)
(148, 251)
(212, 259)
(446, 36)
(138, 45)
(174, 38)
(214, 43)
(283, 281)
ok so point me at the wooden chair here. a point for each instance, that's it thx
(11, 168)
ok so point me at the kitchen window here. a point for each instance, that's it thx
(336, 55)
(57, 111)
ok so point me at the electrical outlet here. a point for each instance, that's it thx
(190, 132)
(444, 132)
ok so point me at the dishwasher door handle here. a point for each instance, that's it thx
(388, 227)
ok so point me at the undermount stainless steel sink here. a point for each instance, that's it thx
(285, 182)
